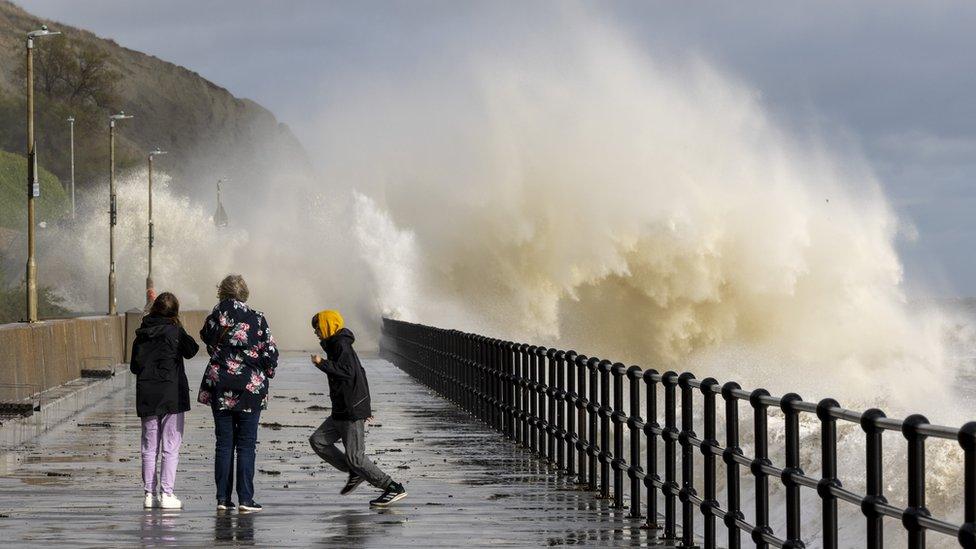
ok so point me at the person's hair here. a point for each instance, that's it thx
(166, 305)
(315, 320)
(233, 287)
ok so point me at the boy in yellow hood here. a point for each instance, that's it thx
(349, 392)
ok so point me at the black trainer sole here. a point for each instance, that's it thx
(393, 500)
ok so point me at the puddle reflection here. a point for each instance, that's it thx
(159, 526)
(230, 526)
(355, 527)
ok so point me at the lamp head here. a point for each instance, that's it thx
(41, 32)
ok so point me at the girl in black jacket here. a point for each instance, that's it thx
(162, 395)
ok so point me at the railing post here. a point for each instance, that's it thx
(468, 350)
(541, 387)
(967, 439)
(432, 362)
(572, 436)
(448, 364)
(732, 450)
(874, 478)
(594, 410)
(484, 370)
(582, 411)
(470, 346)
(685, 436)
(465, 368)
(438, 361)
(559, 401)
(469, 369)
(491, 382)
(514, 402)
(828, 474)
(606, 454)
(916, 481)
(462, 368)
(504, 385)
(761, 460)
(652, 429)
(524, 387)
(792, 470)
(619, 419)
(533, 400)
(501, 384)
(708, 448)
(670, 436)
(635, 422)
(552, 389)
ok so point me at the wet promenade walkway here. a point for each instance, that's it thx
(79, 485)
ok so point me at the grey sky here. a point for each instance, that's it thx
(895, 79)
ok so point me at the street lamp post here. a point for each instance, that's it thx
(113, 211)
(149, 280)
(33, 186)
(71, 132)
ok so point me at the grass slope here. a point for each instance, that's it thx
(52, 205)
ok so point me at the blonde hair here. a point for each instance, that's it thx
(233, 287)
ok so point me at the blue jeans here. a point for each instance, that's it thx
(235, 431)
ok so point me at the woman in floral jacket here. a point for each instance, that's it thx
(243, 358)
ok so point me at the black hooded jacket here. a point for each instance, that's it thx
(157, 361)
(348, 387)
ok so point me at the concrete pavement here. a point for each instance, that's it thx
(79, 484)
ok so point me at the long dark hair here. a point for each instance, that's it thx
(166, 306)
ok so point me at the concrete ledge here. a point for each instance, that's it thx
(43, 362)
(37, 357)
(60, 404)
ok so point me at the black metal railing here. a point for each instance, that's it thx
(569, 409)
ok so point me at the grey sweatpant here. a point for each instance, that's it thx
(353, 437)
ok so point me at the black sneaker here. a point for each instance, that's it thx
(393, 493)
(225, 505)
(250, 507)
(353, 483)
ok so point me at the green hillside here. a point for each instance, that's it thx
(52, 205)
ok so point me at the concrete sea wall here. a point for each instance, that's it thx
(37, 357)
(40, 356)
(41, 364)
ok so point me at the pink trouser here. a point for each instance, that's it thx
(161, 435)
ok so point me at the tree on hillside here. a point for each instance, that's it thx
(75, 74)
(71, 78)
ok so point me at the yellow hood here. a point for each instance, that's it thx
(330, 322)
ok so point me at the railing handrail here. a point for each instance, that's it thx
(529, 392)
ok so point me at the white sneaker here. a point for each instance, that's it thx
(151, 501)
(169, 501)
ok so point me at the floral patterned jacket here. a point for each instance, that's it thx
(243, 358)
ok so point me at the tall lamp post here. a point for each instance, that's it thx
(150, 287)
(113, 211)
(71, 133)
(33, 187)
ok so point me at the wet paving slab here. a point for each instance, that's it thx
(80, 483)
